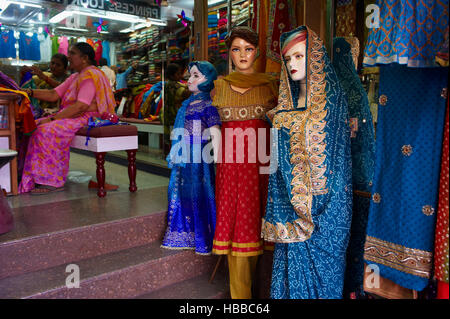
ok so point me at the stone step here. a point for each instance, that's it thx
(58, 233)
(194, 288)
(137, 271)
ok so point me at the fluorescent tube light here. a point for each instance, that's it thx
(73, 29)
(60, 16)
(34, 5)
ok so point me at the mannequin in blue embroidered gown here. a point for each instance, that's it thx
(191, 213)
(363, 156)
(309, 204)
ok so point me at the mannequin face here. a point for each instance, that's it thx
(243, 55)
(196, 78)
(296, 61)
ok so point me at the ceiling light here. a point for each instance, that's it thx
(73, 29)
(60, 16)
(21, 3)
(70, 10)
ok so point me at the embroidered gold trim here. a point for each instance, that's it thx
(412, 261)
(376, 198)
(382, 99)
(407, 150)
(307, 145)
(298, 231)
(243, 113)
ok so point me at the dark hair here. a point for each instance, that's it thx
(246, 33)
(172, 69)
(87, 50)
(210, 73)
(102, 62)
(61, 57)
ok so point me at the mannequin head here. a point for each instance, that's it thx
(242, 44)
(294, 53)
(202, 76)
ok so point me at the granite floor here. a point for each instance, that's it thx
(79, 206)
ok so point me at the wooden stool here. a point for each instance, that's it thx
(107, 139)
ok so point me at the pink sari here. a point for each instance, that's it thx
(47, 160)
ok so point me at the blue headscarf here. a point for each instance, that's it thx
(175, 158)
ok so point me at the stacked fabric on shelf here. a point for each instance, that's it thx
(222, 29)
(175, 52)
(146, 102)
(212, 31)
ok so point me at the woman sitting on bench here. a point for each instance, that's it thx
(84, 94)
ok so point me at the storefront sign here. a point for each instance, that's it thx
(136, 8)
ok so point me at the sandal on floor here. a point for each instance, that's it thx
(45, 189)
(108, 187)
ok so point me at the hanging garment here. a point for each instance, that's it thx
(192, 207)
(112, 53)
(7, 44)
(98, 48)
(346, 18)
(105, 52)
(309, 205)
(402, 216)
(45, 47)
(48, 155)
(410, 32)
(441, 236)
(63, 45)
(282, 20)
(55, 45)
(363, 157)
(29, 47)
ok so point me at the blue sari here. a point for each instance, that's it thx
(363, 159)
(309, 205)
(410, 32)
(191, 213)
(402, 216)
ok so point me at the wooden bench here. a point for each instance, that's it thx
(107, 139)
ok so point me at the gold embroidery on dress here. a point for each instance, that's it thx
(407, 150)
(428, 210)
(307, 146)
(412, 261)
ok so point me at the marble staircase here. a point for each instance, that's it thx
(113, 243)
